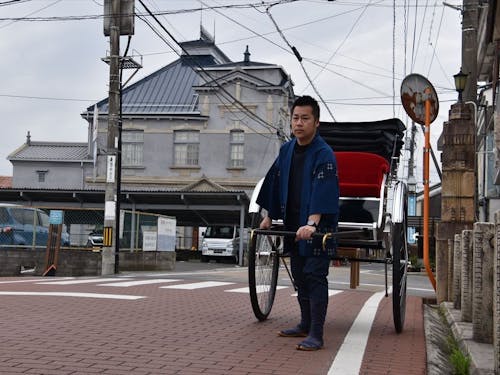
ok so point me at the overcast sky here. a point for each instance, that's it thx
(356, 52)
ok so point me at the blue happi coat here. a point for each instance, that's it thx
(320, 192)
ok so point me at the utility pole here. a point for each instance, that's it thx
(118, 20)
(109, 252)
(469, 48)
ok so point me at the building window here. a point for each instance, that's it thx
(41, 175)
(186, 147)
(132, 148)
(236, 152)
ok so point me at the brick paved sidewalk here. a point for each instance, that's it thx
(204, 331)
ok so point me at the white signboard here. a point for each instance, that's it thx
(149, 240)
(110, 168)
(110, 210)
(166, 233)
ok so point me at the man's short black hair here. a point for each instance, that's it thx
(307, 100)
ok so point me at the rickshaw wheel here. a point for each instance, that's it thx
(399, 274)
(263, 267)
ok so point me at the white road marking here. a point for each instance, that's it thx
(422, 289)
(81, 281)
(350, 355)
(331, 292)
(361, 284)
(31, 280)
(140, 282)
(203, 284)
(69, 294)
(260, 289)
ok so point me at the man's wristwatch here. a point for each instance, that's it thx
(312, 223)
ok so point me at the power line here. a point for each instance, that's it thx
(26, 18)
(299, 58)
(45, 98)
(29, 14)
(343, 41)
(208, 78)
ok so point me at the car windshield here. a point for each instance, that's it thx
(219, 232)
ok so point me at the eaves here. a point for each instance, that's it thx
(53, 160)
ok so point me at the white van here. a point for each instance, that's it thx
(222, 242)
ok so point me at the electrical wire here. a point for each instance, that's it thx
(393, 58)
(209, 79)
(29, 14)
(419, 36)
(436, 42)
(100, 16)
(343, 41)
(299, 58)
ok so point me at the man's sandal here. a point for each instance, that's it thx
(309, 345)
(292, 332)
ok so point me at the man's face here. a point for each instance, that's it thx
(304, 124)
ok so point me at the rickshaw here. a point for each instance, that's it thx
(372, 218)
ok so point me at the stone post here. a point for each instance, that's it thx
(466, 297)
(457, 274)
(451, 268)
(482, 310)
(496, 295)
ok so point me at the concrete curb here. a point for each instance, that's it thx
(435, 336)
(482, 358)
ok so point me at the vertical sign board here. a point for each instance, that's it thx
(166, 233)
(412, 211)
(54, 242)
(110, 168)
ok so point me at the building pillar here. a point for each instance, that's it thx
(457, 193)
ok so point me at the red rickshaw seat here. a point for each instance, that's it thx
(360, 173)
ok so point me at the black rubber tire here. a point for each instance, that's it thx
(399, 274)
(263, 267)
(204, 259)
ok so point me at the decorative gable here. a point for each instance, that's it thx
(203, 184)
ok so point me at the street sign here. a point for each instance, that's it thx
(414, 91)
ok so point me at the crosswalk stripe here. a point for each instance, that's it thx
(139, 282)
(30, 280)
(203, 284)
(80, 281)
(247, 289)
(72, 294)
(331, 292)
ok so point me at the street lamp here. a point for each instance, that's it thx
(460, 82)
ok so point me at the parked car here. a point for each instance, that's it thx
(95, 238)
(26, 226)
(222, 242)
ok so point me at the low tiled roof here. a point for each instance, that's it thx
(51, 151)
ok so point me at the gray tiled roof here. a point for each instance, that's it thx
(168, 90)
(48, 151)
